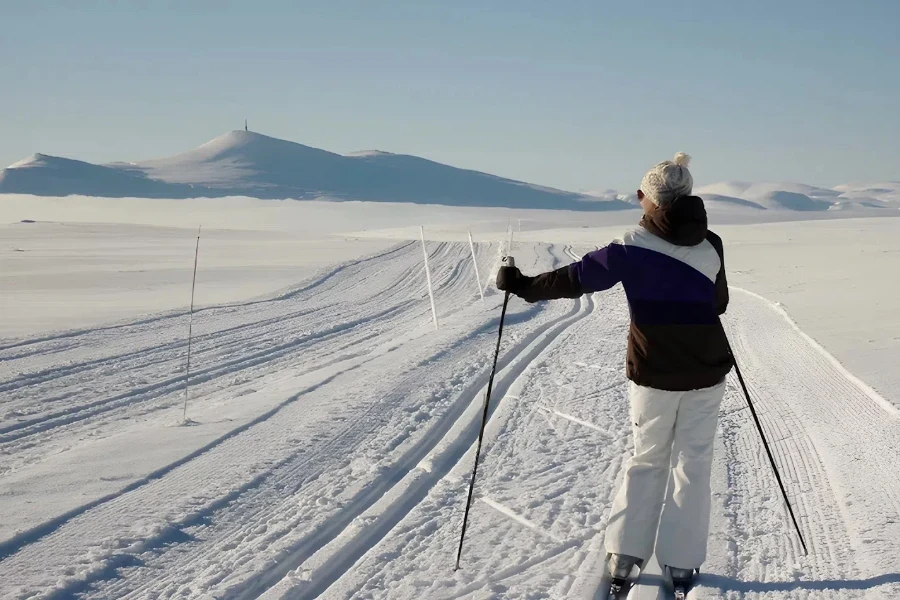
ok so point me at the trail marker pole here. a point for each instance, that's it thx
(428, 277)
(187, 377)
(475, 262)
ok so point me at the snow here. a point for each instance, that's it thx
(36, 159)
(836, 279)
(333, 429)
(366, 153)
(72, 275)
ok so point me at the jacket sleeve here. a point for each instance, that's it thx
(721, 280)
(549, 286)
(599, 270)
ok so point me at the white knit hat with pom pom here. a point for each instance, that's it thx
(668, 180)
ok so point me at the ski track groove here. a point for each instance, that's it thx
(290, 474)
(808, 408)
(355, 550)
(175, 384)
(453, 278)
(499, 427)
(330, 529)
(227, 310)
(160, 389)
(13, 545)
(314, 282)
(761, 547)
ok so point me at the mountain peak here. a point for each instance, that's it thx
(234, 155)
(30, 161)
(237, 138)
(368, 153)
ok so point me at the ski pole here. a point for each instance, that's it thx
(510, 262)
(787, 502)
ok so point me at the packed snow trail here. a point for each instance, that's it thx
(351, 483)
(61, 390)
(310, 435)
(553, 458)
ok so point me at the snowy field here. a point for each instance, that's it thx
(332, 427)
(65, 275)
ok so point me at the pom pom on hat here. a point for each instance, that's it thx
(682, 159)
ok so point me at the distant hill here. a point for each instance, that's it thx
(798, 197)
(242, 163)
(43, 175)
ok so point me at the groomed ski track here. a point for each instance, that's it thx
(350, 479)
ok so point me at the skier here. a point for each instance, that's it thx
(673, 272)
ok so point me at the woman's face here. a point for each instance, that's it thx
(645, 202)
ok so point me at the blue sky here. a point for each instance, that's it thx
(574, 94)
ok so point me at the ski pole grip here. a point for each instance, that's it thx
(509, 261)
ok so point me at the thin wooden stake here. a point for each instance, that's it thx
(428, 276)
(187, 377)
(475, 262)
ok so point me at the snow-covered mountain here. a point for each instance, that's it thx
(243, 163)
(798, 197)
(44, 175)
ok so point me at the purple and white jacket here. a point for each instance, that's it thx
(672, 270)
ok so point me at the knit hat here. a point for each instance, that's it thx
(668, 180)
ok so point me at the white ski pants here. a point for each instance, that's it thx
(673, 450)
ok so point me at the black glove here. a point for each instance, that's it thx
(511, 279)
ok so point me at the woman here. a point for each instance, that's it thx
(673, 271)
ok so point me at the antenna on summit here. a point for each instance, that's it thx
(245, 125)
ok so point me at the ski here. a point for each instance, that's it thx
(649, 584)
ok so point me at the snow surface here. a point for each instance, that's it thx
(332, 428)
(64, 275)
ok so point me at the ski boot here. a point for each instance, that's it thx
(621, 575)
(680, 581)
